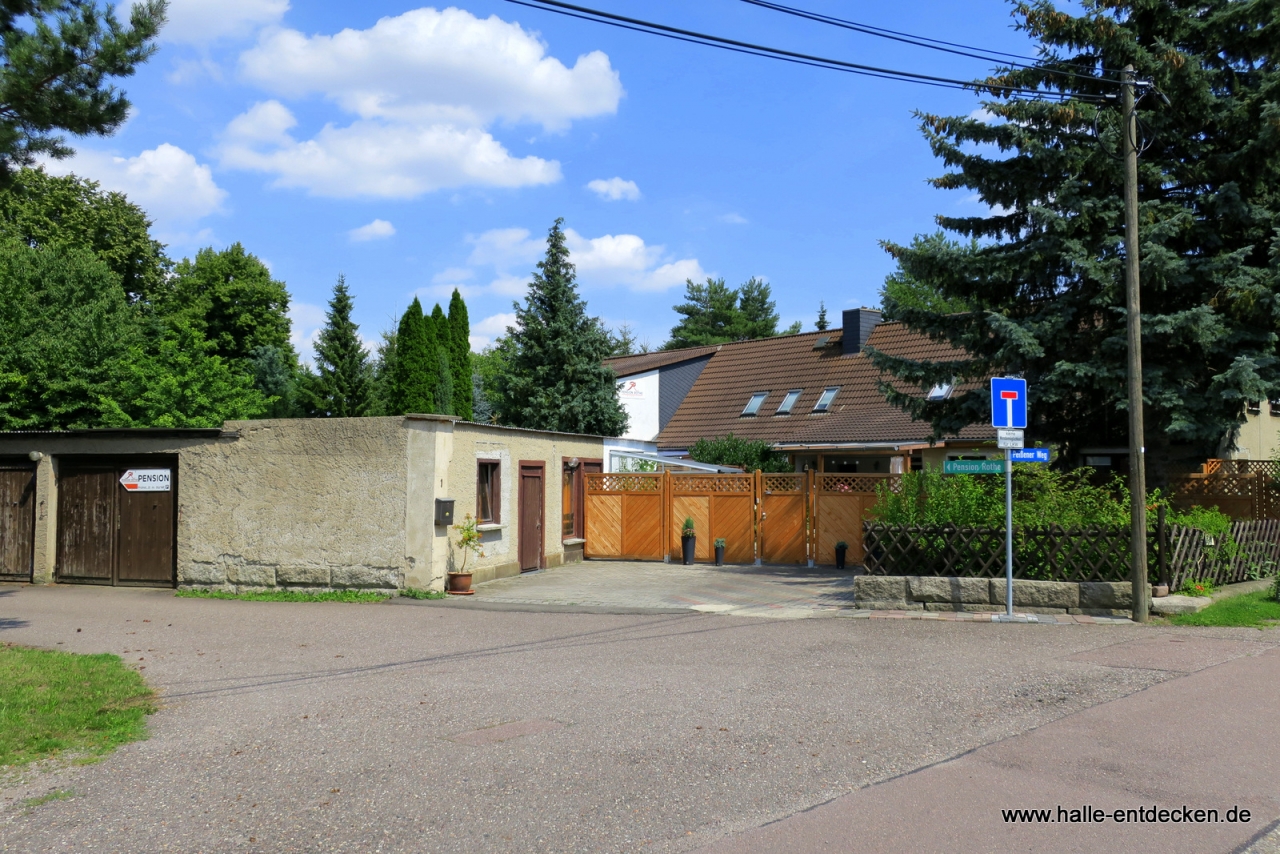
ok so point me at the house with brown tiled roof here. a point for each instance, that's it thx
(652, 386)
(813, 396)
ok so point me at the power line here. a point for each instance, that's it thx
(925, 42)
(736, 46)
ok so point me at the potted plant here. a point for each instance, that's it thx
(459, 580)
(688, 541)
(841, 548)
(719, 551)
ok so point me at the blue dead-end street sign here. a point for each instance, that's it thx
(1030, 455)
(1009, 403)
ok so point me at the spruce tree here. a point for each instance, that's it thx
(460, 355)
(823, 324)
(412, 381)
(341, 385)
(757, 312)
(1044, 290)
(443, 360)
(556, 378)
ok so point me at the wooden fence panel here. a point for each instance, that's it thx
(784, 518)
(624, 514)
(722, 505)
(841, 504)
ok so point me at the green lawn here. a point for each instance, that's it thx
(1251, 610)
(289, 596)
(58, 702)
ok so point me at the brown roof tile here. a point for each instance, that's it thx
(859, 412)
(626, 366)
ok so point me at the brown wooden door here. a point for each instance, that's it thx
(145, 544)
(87, 523)
(531, 516)
(17, 521)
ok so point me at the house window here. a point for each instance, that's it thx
(488, 492)
(1274, 406)
(753, 405)
(789, 402)
(824, 402)
(940, 392)
(1255, 407)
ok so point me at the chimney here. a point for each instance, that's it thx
(858, 323)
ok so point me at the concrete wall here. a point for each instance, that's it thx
(927, 593)
(463, 444)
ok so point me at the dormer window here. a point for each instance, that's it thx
(754, 404)
(789, 402)
(941, 391)
(824, 402)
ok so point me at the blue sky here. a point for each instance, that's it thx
(418, 148)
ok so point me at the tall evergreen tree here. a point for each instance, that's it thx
(822, 324)
(757, 313)
(341, 385)
(556, 379)
(443, 361)
(460, 355)
(1045, 289)
(715, 313)
(413, 387)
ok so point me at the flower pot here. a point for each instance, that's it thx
(719, 555)
(459, 583)
(840, 553)
(688, 546)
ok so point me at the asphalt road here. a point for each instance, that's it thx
(415, 727)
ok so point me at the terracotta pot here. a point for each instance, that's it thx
(688, 547)
(459, 583)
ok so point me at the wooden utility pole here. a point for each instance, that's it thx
(1137, 443)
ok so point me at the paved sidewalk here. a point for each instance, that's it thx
(651, 587)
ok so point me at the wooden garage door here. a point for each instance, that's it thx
(108, 534)
(17, 521)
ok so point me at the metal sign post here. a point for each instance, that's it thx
(1009, 417)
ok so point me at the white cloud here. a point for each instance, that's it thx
(982, 114)
(504, 247)
(375, 158)
(625, 259)
(615, 189)
(423, 88)
(379, 229)
(510, 286)
(453, 275)
(734, 219)
(305, 322)
(200, 22)
(483, 333)
(168, 183)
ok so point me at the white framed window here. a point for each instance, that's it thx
(825, 400)
(753, 405)
(940, 392)
(789, 402)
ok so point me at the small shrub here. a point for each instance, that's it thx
(687, 530)
(1192, 587)
(719, 542)
(1275, 589)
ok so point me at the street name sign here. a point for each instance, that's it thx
(1009, 403)
(1009, 439)
(973, 467)
(1030, 455)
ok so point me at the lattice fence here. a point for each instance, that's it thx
(839, 484)
(624, 483)
(1255, 554)
(1040, 554)
(780, 484)
(712, 483)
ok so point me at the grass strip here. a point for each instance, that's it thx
(58, 702)
(288, 596)
(414, 593)
(1251, 610)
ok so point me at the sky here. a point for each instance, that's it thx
(415, 149)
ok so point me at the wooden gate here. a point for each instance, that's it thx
(17, 520)
(841, 503)
(110, 535)
(625, 514)
(784, 517)
(722, 506)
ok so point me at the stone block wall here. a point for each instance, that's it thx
(925, 593)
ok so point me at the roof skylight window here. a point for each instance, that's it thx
(940, 392)
(824, 402)
(789, 402)
(753, 405)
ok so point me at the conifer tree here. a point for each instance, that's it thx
(823, 324)
(443, 360)
(556, 378)
(460, 357)
(340, 388)
(1044, 290)
(412, 380)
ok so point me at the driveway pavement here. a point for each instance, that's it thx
(422, 727)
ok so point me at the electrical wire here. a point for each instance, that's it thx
(932, 44)
(637, 25)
